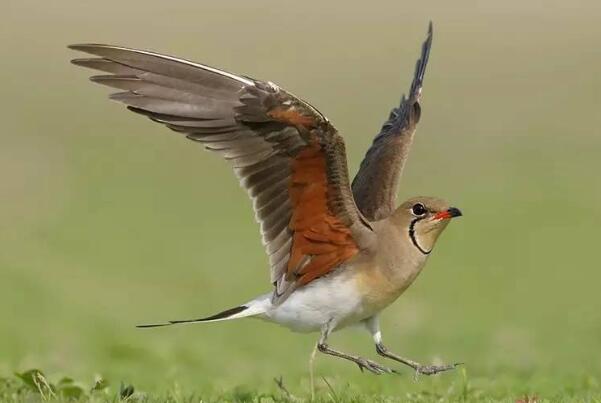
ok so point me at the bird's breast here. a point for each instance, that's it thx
(380, 286)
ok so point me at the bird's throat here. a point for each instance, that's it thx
(414, 239)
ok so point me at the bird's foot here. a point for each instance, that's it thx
(434, 369)
(373, 367)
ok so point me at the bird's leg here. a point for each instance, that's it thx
(419, 368)
(311, 374)
(373, 327)
(363, 363)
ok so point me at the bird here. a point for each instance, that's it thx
(339, 252)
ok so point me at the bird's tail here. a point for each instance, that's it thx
(255, 307)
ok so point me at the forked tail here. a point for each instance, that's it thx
(255, 307)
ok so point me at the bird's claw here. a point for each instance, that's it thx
(374, 367)
(434, 369)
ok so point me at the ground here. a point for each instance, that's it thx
(35, 386)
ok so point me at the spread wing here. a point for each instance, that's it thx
(376, 184)
(286, 154)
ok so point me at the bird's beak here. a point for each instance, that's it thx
(450, 213)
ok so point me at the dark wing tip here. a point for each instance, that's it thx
(85, 47)
(81, 48)
(80, 62)
(420, 65)
(101, 78)
(90, 48)
(97, 49)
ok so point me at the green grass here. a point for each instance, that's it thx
(108, 220)
(33, 385)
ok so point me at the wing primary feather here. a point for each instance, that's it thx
(105, 65)
(129, 57)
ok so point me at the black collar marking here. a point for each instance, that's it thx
(412, 236)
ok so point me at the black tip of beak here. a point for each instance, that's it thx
(455, 212)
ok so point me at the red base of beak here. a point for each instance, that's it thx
(450, 213)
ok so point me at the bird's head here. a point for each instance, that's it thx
(424, 219)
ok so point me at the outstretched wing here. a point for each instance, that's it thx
(376, 184)
(286, 154)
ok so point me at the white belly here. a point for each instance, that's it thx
(333, 299)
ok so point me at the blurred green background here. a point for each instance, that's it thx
(108, 220)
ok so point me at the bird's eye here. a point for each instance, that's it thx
(418, 210)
